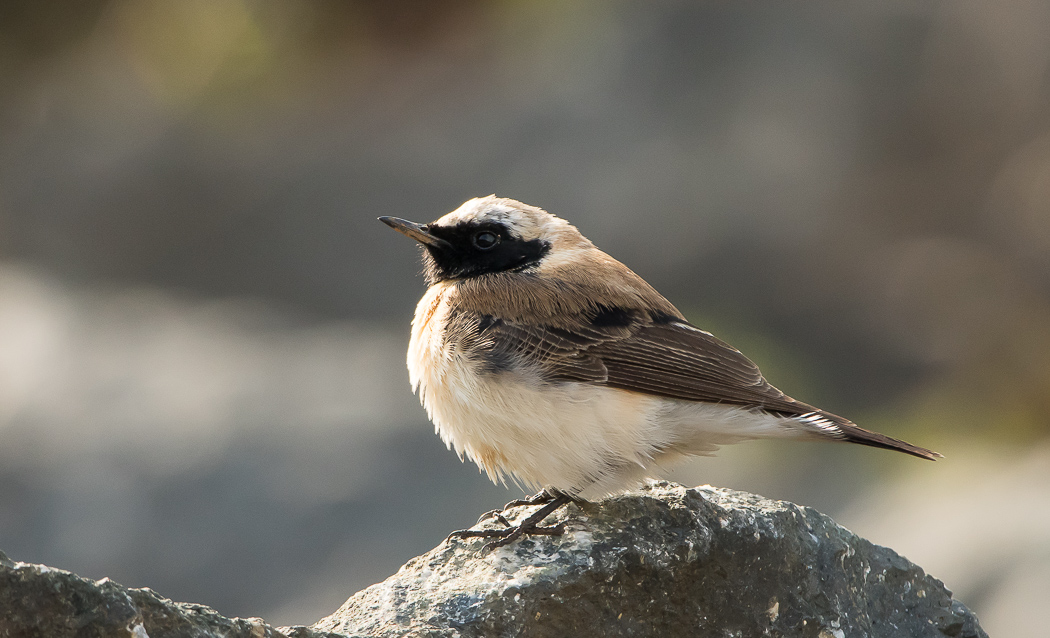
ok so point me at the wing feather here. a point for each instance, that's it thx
(672, 359)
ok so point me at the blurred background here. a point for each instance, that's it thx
(202, 326)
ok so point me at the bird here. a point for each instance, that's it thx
(544, 360)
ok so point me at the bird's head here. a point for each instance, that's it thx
(490, 235)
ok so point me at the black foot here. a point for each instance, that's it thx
(530, 525)
(540, 498)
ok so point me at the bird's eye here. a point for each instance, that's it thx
(485, 239)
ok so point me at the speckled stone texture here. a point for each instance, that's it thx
(39, 601)
(664, 561)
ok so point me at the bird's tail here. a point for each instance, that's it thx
(835, 427)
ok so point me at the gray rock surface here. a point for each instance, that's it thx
(664, 561)
(40, 601)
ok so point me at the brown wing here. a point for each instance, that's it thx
(681, 361)
(669, 358)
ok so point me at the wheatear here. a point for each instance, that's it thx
(541, 357)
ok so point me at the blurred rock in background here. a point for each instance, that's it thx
(202, 326)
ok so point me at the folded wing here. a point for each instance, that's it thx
(665, 357)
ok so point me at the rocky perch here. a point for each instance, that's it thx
(662, 561)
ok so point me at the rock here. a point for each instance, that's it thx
(36, 600)
(664, 561)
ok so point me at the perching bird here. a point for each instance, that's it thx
(540, 357)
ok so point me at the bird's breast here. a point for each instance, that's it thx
(428, 356)
(511, 421)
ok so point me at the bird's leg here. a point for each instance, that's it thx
(530, 525)
(539, 498)
(542, 497)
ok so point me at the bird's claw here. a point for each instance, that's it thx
(508, 535)
(531, 524)
(496, 514)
